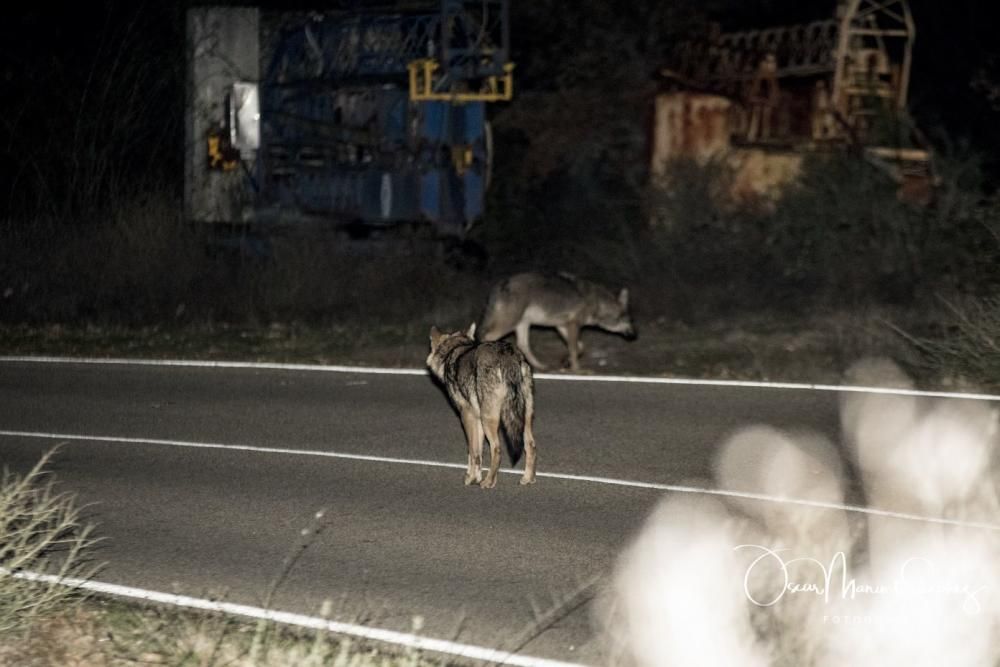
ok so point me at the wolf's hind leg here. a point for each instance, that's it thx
(492, 427)
(474, 442)
(529, 446)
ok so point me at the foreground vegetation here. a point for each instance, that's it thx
(105, 632)
(41, 532)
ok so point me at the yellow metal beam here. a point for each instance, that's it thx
(422, 80)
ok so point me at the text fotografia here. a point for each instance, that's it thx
(916, 578)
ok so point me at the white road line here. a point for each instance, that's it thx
(610, 481)
(568, 377)
(194, 363)
(405, 639)
(243, 448)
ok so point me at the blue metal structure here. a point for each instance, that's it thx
(347, 134)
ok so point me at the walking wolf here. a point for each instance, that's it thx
(557, 300)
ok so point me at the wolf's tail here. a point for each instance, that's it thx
(518, 407)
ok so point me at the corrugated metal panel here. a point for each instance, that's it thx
(689, 125)
(223, 48)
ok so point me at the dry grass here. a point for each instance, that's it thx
(104, 633)
(180, 637)
(751, 347)
(962, 348)
(41, 532)
(73, 638)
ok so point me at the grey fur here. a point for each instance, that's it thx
(492, 386)
(558, 300)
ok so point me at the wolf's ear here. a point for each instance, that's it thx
(623, 297)
(435, 335)
(471, 333)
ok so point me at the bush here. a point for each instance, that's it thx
(838, 236)
(707, 255)
(840, 232)
(137, 263)
(142, 264)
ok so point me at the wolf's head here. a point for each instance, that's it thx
(443, 342)
(612, 314)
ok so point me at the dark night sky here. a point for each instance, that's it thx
(53, 57)
(954, 38)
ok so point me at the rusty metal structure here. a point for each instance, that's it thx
(837, 80)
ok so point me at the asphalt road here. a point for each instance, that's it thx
(400, 539)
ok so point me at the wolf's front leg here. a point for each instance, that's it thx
(570, 334)
(521, 334)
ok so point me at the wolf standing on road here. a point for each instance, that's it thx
(492, 386)
(558, 300)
